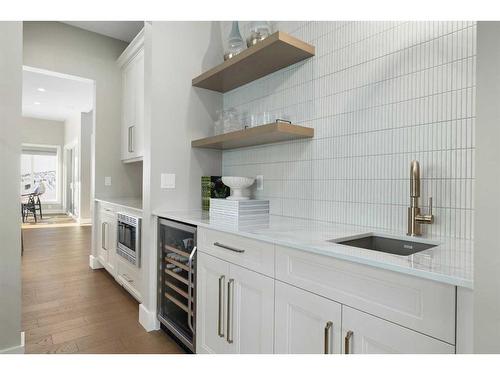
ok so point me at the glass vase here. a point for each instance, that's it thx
(235, 42)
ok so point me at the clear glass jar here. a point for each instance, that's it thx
(259, 30)
(231, 120)
(218, 124)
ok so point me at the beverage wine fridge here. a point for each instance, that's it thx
(177, 279)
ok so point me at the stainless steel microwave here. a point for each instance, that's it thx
(129, 238)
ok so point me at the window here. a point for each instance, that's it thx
(40, 163)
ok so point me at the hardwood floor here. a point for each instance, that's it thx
(69, 308)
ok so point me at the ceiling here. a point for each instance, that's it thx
(122, 30)
(55, 96)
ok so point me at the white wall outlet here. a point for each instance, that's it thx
(167, 181)
(259, 181)
(107, 181)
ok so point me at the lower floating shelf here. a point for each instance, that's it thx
(258, 135)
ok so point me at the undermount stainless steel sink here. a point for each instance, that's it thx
(386, 245)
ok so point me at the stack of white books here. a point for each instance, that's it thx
(251, 211)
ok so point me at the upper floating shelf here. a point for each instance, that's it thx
(276, 52)
(259, 135)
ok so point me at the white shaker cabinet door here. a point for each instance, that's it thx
(250, 314)
(305, 322)
(139, 105)
(212, 278)
(109, 239)
(133, 108)
(102, 239)
(128, 109)
(366, 334)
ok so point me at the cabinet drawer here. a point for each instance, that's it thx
(423, 305)
(248, 253)
(105, 207)
(128, 276)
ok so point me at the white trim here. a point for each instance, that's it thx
(19, 349)
(52, 211)
(133, 160)
(132, 50)
(86, 221)
(55, 74)
(73, 145)
(94, 262)
(148, 319)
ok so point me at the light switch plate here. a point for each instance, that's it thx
(167, 181)
(107, 181)
(259, 182)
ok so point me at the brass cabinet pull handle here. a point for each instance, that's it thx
(220, 325)
(104, 235)
(218, 244)
(230, 303)
(131, 138)
(328, 337)
(347, 341)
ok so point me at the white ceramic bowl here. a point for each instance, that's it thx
(238, 186)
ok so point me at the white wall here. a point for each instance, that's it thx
(62, 48)
(378, 95)
(487, 198)
(181, 113)
(43, 132)
(176, 113)
(11, 55)
(72, 127)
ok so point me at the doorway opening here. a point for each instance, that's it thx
(57, 130)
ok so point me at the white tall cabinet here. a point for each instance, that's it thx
(131, 62)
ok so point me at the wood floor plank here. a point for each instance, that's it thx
(70, 308)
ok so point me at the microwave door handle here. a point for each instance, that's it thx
(190, 289)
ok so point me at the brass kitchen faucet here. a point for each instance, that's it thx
(415, 219)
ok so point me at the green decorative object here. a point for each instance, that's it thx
(212, 187)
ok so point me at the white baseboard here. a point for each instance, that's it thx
(52, 211)
(86, 221)
(19, 349)
(148, 319)
(94, 262)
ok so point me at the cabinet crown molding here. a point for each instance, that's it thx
(132, 49)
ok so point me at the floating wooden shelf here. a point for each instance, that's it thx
(259, 135)
(276, 52)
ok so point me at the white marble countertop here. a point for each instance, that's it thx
(130, 203)
(450, 262)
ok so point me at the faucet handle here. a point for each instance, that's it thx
(430, 216)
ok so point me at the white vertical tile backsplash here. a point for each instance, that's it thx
(378, 94)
